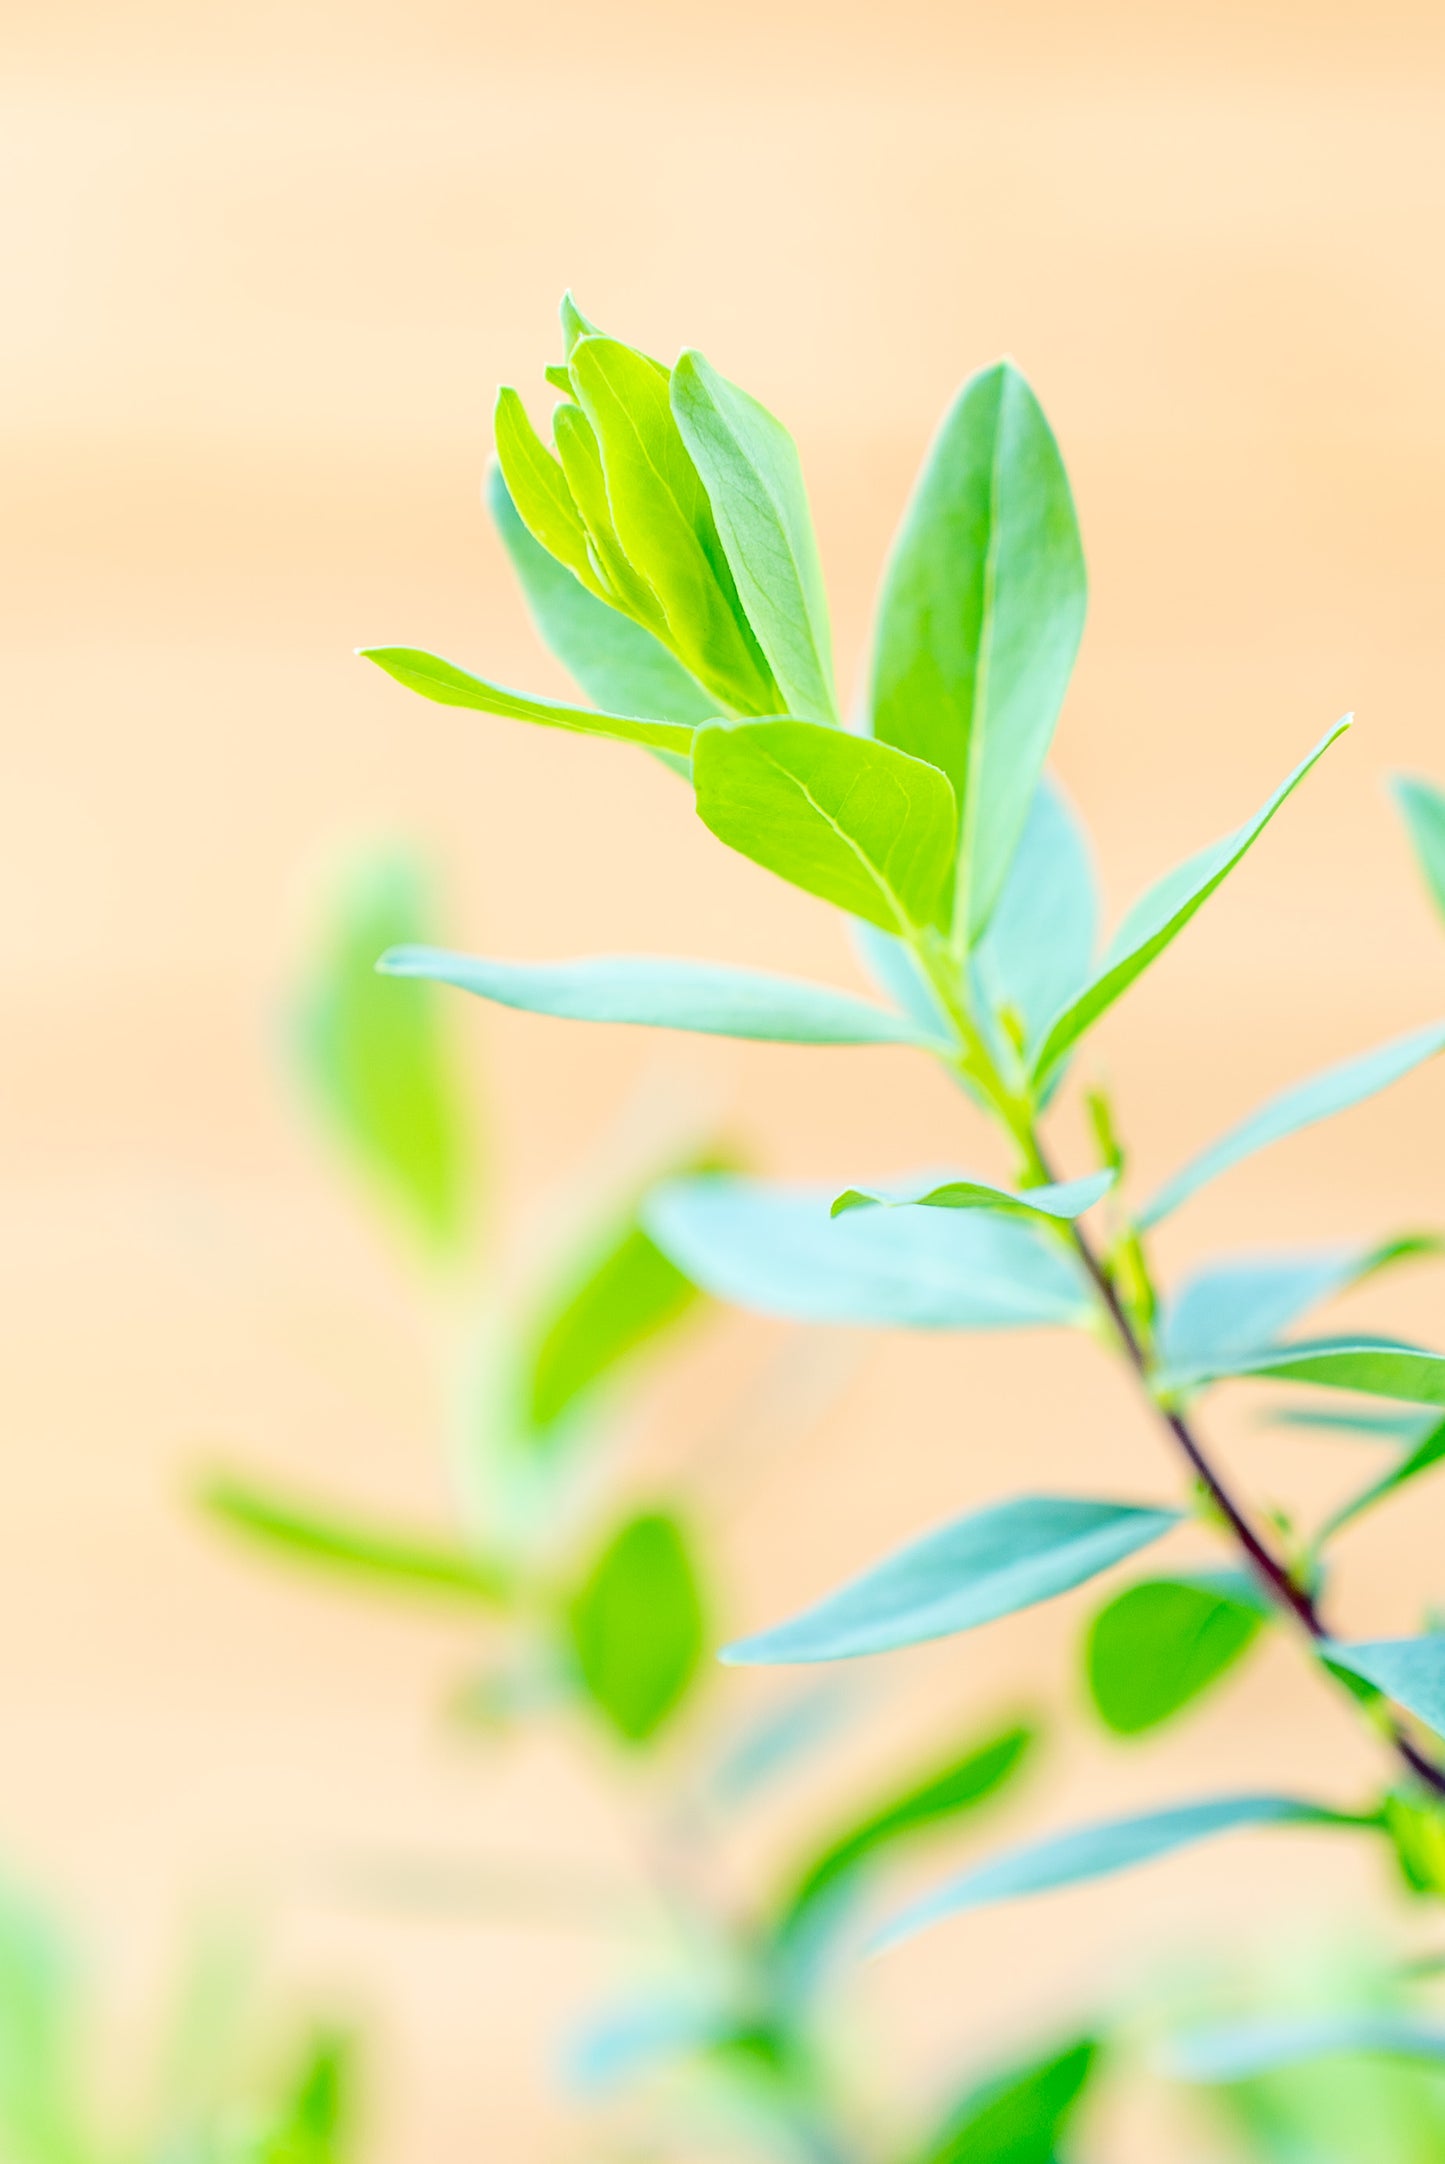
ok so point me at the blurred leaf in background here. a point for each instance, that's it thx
(636, 1625)
(373, 1051)
(1019, 2117)
(1158, 1645)
(618, 1296)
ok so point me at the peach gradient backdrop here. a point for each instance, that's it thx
(264, 265)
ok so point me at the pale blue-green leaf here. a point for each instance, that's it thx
(1231, 1309)
(1422, 807)
(1098, 1851)
(1320, 1098)
(987, 1565)
(890, 962)
(1409, 1670)
(658, 992)
(448, 685)
(749, 467)
(1364, 1422)
(618, 663)
(1158, 918)
(856, 823)
(619, 2046)
(1426, 1453)
(980, 619)
(1243, 2050)
(1039, 947)
(777, 1250)
(1060, 1202)
(1376, 1367)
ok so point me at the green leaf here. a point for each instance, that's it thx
(857, 823)
(660, 993)
(1363, 1422)
(622, 585)
(776, 1250)
(536, 484)
(1422, 1458)
(1018, 2117)
(41, 2100)
(626, 1294)
(664, 522)
(1156, 1646)
(1422, 807)
(980, 619)
(992, 1563)
(375, 1056)
(1098, 1851)
(1320, 1098)
(1059, 1203)
(636, 1626)
(749, 467)
(1377, 1367)
(1228, 1310)
(450, 686)
(1038, 951)
(618, 663)
(945, 1793)
(404, 1563)
(1409, 1670)
(1158, 918)
(1243, 2050)
(315, 2124)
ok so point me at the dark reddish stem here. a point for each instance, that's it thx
(1273, 1572)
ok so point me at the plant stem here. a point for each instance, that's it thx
(1275, 1574)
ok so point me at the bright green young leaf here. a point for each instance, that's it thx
(1426, 1453)
(859, 824)
(626, 1293)
(375, 1055)
(1156, 1646)
(620, 666)
(535, 483)
(1409, 1670)
(450, 686)
(1038, 951)
(1376, 1367)
(1422, 807)
(1019, 2117)
(990, 1564)
(660, 993)
(581, 458)
(1098, 1851)
(1059, 1203)
(1158, 918)
(664, 522)
(946, 1793)
(1243, 2050)
(749, 467)
(1228, 1310)
(405, 1563)
(1320, 1098)
(776, 1250)
(980, 619)
(636, 1626)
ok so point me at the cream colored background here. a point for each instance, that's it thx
(263, 267)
